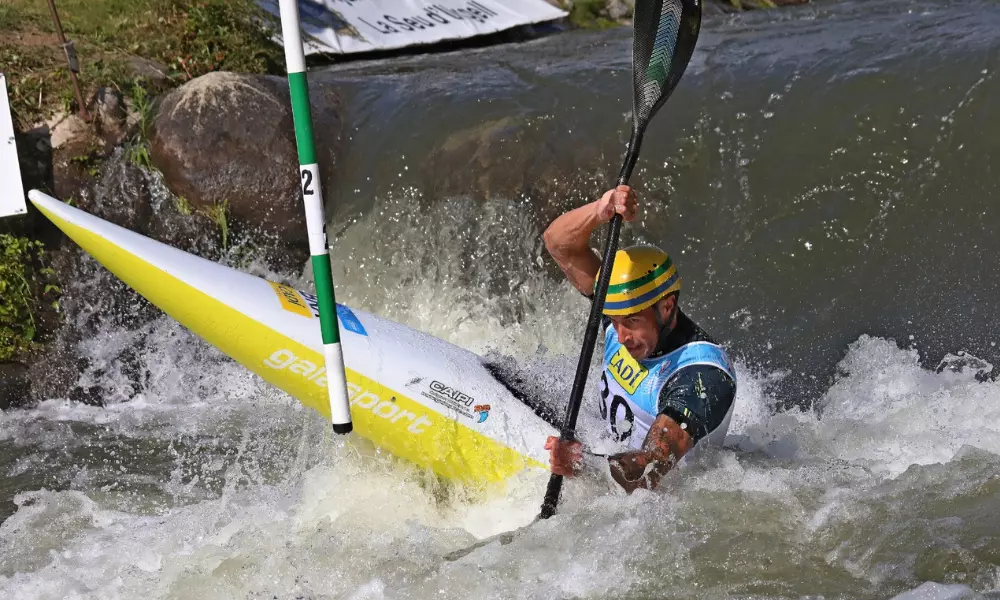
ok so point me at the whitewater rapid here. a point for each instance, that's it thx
(825, 179)
(212, 484)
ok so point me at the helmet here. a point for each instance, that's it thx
(640, 276)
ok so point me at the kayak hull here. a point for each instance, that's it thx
(414, 395)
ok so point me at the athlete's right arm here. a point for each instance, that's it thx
(567, 238)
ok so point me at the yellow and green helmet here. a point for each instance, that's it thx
(640, 276)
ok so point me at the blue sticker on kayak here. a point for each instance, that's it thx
(349, 321)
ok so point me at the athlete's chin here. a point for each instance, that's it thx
(637, 352)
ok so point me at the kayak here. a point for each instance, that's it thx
(418, 397)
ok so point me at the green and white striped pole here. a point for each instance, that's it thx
(312, 197)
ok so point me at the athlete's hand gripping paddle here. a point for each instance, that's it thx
(663, 40)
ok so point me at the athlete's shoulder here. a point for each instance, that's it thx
(700, 371)
(697, 353)
(701, 395)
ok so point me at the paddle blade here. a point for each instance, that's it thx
(662, 44)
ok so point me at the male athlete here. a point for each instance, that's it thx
(666, 385)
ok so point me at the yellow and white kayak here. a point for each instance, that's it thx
(414, 395)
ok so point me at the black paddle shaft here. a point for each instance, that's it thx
(568, 431)
(664, 37)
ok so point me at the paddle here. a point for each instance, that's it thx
(665, 32)
(663, 40)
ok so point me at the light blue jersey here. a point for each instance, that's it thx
(630, 389)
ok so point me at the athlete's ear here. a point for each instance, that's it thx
(666, 306)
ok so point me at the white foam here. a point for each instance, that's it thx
(441, 269)
(939, 591)
(345, 520)
(259, 499)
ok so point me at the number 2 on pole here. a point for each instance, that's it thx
(307, 178)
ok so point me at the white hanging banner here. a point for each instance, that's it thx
(348, 26)
(11, 188)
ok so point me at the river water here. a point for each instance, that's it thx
(824, 177)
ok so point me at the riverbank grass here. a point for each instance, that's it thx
(25, 283)
(187, 39)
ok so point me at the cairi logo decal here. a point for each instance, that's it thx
(457, 401)
(452, 393)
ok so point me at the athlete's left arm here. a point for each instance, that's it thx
(692, 404)
(665, 444)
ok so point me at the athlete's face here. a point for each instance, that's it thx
(640, 332)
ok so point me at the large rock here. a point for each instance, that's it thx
(619, 9)
(229, 138)
(64, 157)
(156, 73)
(76, 153)
(133, 198)
(110, 116)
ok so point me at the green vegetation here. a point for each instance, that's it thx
(90, 161)
(219, 213)
(138, 154)
(183, 206)
(137, 148)
(589, 14)
(745, 4)
(25, 284)
(188, 38)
